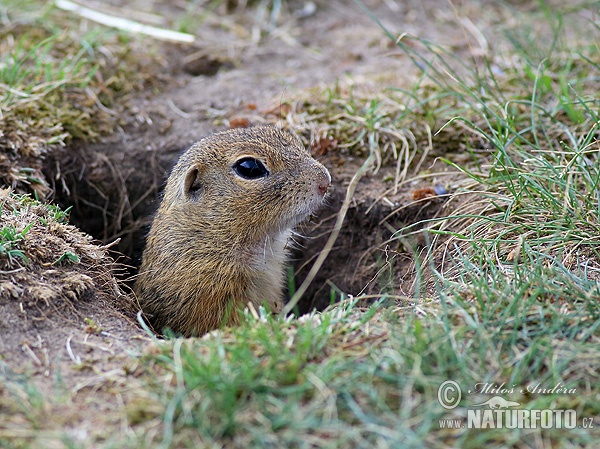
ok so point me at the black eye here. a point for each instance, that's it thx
(250, 168)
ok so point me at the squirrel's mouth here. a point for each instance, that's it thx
(304, 211)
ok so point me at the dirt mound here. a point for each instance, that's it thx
(57, 286)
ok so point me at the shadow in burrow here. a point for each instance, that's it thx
(114, 193)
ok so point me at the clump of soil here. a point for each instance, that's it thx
(55, 284)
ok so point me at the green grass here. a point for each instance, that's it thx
(18, 220)
(9, 244)
(368, 378)
(28, 224)
(356, 378)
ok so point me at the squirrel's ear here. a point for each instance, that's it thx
(192, 185)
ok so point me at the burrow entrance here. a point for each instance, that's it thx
(114, 191)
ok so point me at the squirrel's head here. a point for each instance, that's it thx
(251, 180)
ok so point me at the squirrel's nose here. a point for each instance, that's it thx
(323, 188)
(324, 183)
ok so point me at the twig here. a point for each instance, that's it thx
(31, 354)
(16, 270)
(125, 24)
(332, 237)
(93, 345)
(73, 357)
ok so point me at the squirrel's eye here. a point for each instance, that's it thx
(250, 168)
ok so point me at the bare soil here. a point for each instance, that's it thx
(227, 77)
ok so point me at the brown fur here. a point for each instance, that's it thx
(218, 241)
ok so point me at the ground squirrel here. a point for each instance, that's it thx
(219, 238)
